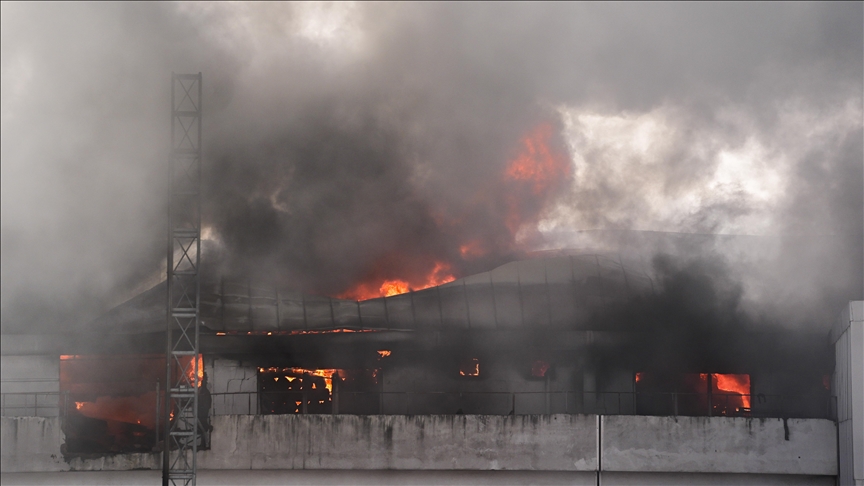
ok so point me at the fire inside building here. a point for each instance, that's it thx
(584, 363)
(541, 336)
(560, 335)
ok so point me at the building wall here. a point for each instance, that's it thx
(682, 451)
(718, 445)
(31, 444)
(504, 388)
(848, 386)
(553, 442)
(234, 386)
(698, 479)
(30, 385)
(418, 478)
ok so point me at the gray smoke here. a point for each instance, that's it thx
(352, 143)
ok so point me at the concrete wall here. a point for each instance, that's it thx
(718, 445)
(699, 479)
(669, 450)
(848, 385)
(552, 442)
(213, 477)
(31, 444)
(30, 385)
(234, 386)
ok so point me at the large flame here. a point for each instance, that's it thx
(327, 374)
(440, 274)
(728, 394)
(537, 163)
(114, 388)
(734, 384)
(190, 371)
(536, 170)
(394, 287)
(133, 409)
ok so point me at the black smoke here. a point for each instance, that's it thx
(380, 150)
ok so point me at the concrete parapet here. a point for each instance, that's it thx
(31, 444)
(578, 443)
(718, 445)
(523, 442)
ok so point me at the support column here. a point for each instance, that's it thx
(848, 390)
(181, 429)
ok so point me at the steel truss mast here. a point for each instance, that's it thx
(181, 429)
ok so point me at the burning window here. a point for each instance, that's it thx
(730, 393)
(693, 394)
(110, 403)
(469, 367)
(295, 390)
(539, 368)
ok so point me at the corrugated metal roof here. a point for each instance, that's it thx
(551, 291)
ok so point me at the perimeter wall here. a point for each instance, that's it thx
(677, 449)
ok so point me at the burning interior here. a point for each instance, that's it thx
(554, 334)
(112, 403)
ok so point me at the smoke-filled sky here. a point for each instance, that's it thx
(348, 144)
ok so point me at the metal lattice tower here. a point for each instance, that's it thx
(181, 431)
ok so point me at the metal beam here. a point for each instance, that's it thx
(182, 432)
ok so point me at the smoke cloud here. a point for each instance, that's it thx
(350, 143)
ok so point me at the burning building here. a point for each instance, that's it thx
(375, 187)
(560, 345)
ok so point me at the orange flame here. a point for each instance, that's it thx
(190, 372)
(470, 368)
(327, 374)
(537, 163)
(538, 168)
(739, 384)
(394, 287)
(439, 275)
(292, 333)
(472, 249)
(384, 352)
(128, 409)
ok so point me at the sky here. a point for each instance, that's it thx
(349, 144)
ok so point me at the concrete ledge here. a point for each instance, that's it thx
(718, 445)
(31, 444)
(263, 477)
(712, 479)
(478, 442)
(118, 462)
(639, 444)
